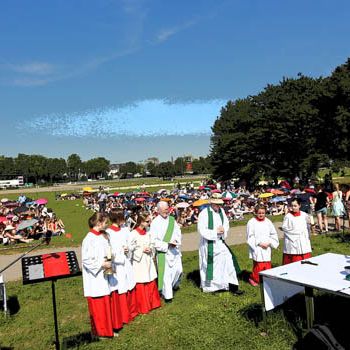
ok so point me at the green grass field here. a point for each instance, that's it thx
(193, 321)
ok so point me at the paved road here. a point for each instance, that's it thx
(190, 243)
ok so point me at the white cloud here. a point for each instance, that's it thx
(166, 33)
(143, 118)
(34, 68)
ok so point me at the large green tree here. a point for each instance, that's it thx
(74, 166)
(291, 128)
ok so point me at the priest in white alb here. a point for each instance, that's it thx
(217, 264)
(166, 235)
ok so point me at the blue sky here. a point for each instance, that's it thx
(130, 79)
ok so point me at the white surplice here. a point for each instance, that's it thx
(142, 263)
(296, 234)
(261, 232)
(123, 279)
(93, 252)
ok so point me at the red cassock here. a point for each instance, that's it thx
(290, 258)
(147, 297)
(124, 308)
(259, 266)
(101, 315)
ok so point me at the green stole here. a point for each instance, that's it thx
(161, 255)
(210, 258)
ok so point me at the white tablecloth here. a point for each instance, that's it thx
(281, 283)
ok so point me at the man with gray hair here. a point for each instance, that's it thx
(166, 234)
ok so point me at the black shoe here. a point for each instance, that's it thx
(168, 301)
(237, 292)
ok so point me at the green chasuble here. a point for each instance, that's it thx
(210, 258)
(161, 255)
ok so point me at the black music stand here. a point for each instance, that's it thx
(35, 269)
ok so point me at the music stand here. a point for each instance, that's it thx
(50, 267)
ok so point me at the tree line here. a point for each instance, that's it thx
(37, 168)
(167, 169)
(40, 169)
(289, 129)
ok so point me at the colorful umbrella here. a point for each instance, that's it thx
(144, 194)
(26, 223)
(278, 199)
(201, 187)
(161, 191)
(276, 191)
(265, 195)
(41, 201)
(215, 191)
(11, 204)
(295, 191)
(21, 209)
(200, 202)
(183, 196)
(285, 184)
(140, 199)
(228, 194)
(182, 205)
(116, 194)
(310, 190)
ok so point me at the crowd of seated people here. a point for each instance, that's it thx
(24, 222)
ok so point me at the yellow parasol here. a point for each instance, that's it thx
(165, 199)
(266, 195)
(88, 189)
(200, 202)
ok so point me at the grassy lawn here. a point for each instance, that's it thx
(193, 321)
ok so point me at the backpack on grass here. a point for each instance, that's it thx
(321, 338)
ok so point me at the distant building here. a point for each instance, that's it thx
(188, 159)
(114, 171)
(153, 160)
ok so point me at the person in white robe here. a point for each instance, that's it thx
(122, 282)
(95, 255)
(142, 254)
(295, 226)
(166, 234)
(216, 262)
(261, 238)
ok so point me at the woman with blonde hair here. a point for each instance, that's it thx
(338, 209)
